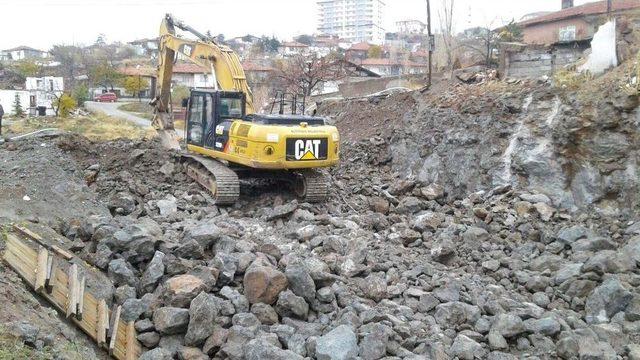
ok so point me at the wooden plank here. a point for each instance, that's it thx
(33, 236)
(94, 319)
(41, 269)
(102, 326)
(50, 264)
(114, 332)
(72, 291)
(130, 352)
(80, 307)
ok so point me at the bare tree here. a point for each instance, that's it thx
(303, 74)
(447, 28)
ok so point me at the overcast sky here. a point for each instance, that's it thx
(43, 23)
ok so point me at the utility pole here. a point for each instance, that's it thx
(609, 8)
(431, 41)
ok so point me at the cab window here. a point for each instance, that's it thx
(196, 111)
(230, 108)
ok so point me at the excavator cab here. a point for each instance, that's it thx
(210, 115)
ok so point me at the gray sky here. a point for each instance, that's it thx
(43, 23)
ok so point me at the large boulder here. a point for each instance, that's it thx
(263, 284)
(181, 289)
(202, 314)
(205, 233)
(153, 273)
(300, 281)
(121, 274)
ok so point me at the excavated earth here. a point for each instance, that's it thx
(492, 221)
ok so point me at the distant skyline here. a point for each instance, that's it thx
(44, 23)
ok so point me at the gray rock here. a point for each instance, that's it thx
(374, 287)
(497, 341)
(282, 211)
(191, 353)
(545, 326)
(265, 313)
(291, 305)
(205, 233)
(157, 354)
(465, 348)
(475, 235)
(167, 206)
(216, 340)
(508, 325)
(122, 203)
(149, 339)
(259, 349)
(144, 325)
(239, 301)
(227, 265)
(245, 320)
(123, 293)
(456, 313)
(121, 274)
(338, 344)
(374, 342)
(170, 320)
(606, 300)
(570, 234)
(202, 315)
(190, 249)
(133, 308)
(300, 282)
(24, 331)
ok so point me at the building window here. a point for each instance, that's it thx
(567, 33)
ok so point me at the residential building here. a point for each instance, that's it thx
(356, 52)
(572, 23)
(323, 45)
(352, 20)
(43, 91)
(25, 52)
(390, 67)
(192, 76)
(4, 56)
(293, 48)
(146, 73)
(411, 27)
(257, 72)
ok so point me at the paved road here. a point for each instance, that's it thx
(111, 109)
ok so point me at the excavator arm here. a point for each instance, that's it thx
(223, 63)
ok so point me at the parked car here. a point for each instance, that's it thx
(106, 97)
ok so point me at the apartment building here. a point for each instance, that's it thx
(353, 20)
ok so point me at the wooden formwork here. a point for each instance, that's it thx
(43, 266)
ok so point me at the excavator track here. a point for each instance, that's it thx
(311, 185)
(221, 181)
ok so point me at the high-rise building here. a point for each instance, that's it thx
(352, 20)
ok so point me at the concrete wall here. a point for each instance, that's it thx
(366, 87)
(536, 61)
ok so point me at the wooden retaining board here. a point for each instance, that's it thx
(23, 258)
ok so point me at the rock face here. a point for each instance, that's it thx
(339, 344)
(263, 284)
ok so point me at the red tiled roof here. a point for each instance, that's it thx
(594, 8)
(361, 46)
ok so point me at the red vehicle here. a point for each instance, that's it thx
(106, 97)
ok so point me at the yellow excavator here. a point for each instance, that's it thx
(225, 138)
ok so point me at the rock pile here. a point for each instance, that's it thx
(388, 268)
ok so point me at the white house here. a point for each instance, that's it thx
(25, 52)
(43, 92)
(192, 76)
